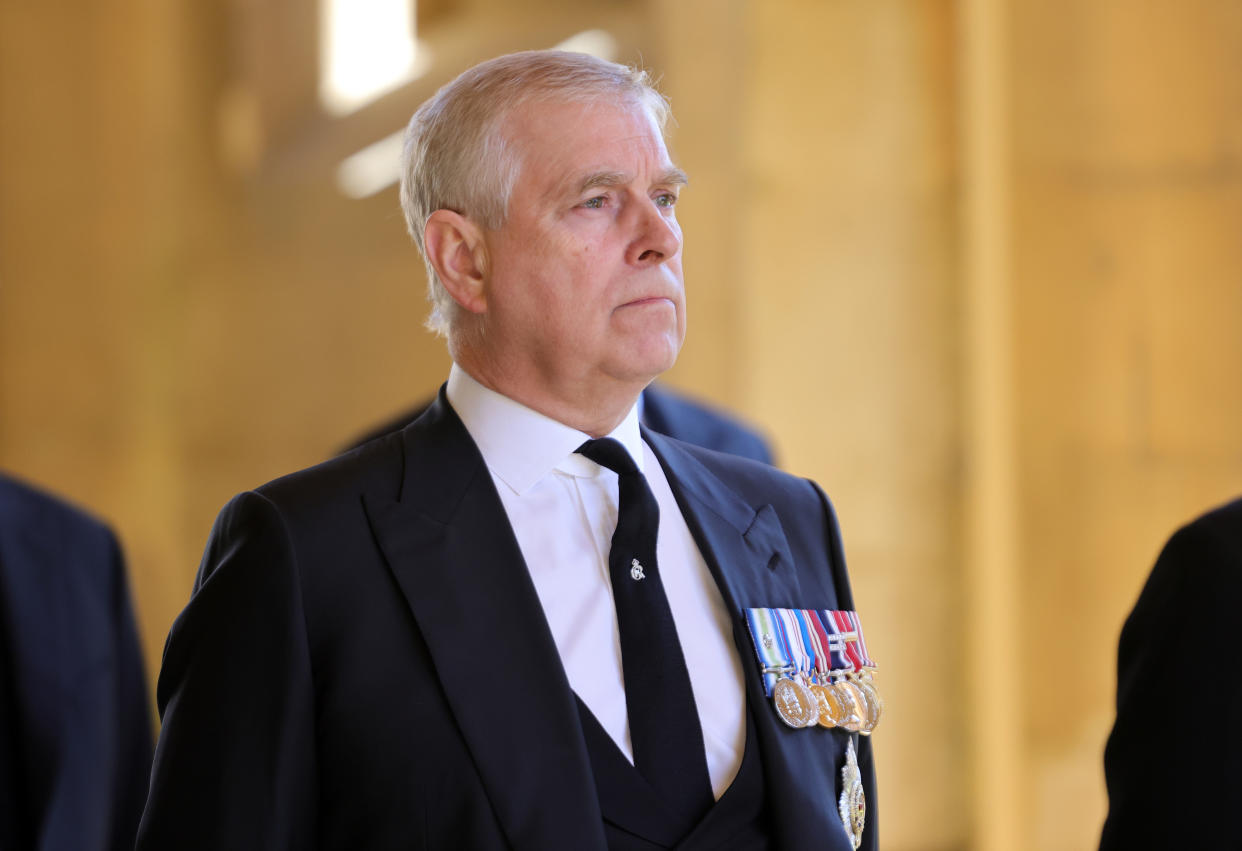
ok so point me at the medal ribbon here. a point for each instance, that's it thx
(831, 649)
(842, 637)
(818, 643)
(766, 632)
(798, 642)
(847, 623)
(867, 661)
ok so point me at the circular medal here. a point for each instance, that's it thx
(830, 708)
(812, 703)
(794, 702)
(855, 705)
(875, 706)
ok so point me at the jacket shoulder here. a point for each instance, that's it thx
(753, 479)
(29, 513)
(373, 467)
(1221, 527)
(702, 424)
(1203, 557)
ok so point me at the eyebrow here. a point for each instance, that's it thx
(671, 177)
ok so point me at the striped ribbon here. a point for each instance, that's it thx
(799, 642)
(846, 623)
(791, 641)
(767, 634)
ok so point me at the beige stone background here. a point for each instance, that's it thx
(975, 266)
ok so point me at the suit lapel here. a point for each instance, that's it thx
(750, 558)
(449, 545)
(743, 545)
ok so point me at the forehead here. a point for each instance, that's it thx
(561, 139)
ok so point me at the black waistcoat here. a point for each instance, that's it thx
(637, 819)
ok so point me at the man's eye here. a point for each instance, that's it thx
(665, 199)
(594, 203)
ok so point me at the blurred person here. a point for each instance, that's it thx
(75, 729)
(523, 621)
(659, 409)
(1172, 765)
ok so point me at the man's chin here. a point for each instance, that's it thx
(643, 364)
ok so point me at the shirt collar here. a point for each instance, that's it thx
(520, 445)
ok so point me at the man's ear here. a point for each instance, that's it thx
(455, 249)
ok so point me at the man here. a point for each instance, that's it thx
(469, 634)
(75, 730)
(1173, 763)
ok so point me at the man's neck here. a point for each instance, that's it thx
(595, 408)
(519, 444)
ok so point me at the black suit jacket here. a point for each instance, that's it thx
(365, 662)
(663, 410)
(75, 729)
(1173, 763)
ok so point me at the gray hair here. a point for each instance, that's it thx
(456, 157)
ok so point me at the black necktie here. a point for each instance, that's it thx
(664, 723)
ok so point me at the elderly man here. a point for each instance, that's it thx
(523, 621)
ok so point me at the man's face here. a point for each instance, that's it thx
(583, 281)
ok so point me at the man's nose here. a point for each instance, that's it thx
(657, 237)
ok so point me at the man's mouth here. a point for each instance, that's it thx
(648, 300)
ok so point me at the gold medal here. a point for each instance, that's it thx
(855, 705)
(831, 710)
(794, 702)
(852, 804)
(875, 705)
(812, 702)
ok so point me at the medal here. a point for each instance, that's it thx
(859, 668)
(855, 705)
(816, 669)
(852, 804)
(795, 704)
(796, 642)
(812, 702)
(850, 703)
(831, 710)
(875, 706)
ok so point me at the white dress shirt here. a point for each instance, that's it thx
(563, 509)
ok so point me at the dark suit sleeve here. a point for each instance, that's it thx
(234, 766)
(1173, 763)
(75, 731)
